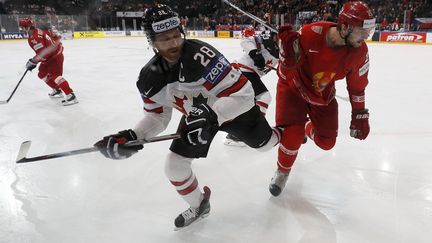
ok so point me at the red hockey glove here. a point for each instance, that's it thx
(288, 45)
(112, 146)
(359, 124)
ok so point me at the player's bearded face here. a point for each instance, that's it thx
(169, 44)
(358, 35)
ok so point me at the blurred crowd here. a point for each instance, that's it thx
(214, 14)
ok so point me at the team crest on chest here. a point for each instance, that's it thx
(321, 80)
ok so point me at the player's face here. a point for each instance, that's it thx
(169, 44)
(358, 36)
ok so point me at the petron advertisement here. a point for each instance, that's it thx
(410, 37)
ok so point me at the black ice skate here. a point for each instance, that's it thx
(69, 100)
(232, 140)
(194, 214)
(278, 182)
(56, 93)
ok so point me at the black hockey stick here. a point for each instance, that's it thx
(16, 87)
(25, 146)
(251, 16)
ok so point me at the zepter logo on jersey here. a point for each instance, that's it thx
(166, 24)
(215, 70)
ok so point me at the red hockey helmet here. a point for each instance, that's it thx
(248, 31)
(26, 22)
(356, 14)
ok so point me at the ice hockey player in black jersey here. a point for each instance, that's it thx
(261, 55)
(194, 78)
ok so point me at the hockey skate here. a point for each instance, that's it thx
(56, 93)
(194, 214)
(70, 100)
(278, 182)
(232, 140)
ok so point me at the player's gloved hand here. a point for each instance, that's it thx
(288, 45)
(113, 147)
(359, 124)
(258, 59)
(30, 65)
(200, 124)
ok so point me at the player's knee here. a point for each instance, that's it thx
(325, 143)
(293, 136)
(177, 167)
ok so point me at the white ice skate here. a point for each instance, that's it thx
(278, 182)
(56, 93)
(232, 140)
(70, 100)
(192, 215)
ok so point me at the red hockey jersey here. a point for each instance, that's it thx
(43, 44)
(320, 66)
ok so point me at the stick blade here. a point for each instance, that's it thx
(22, 153)
(3, 102)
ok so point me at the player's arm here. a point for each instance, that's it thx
(250, 47)
(44, 47)
(357, 81)
(155, 120)
(289, 50)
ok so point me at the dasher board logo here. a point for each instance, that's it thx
(166, 24)
(404, 37)
(14, 35)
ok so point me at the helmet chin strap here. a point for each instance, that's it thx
(346, 38)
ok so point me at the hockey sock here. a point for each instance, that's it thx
(291, 141)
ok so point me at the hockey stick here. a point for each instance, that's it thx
(25, 146)
(251, 16)
(346, 99)
(16, 87)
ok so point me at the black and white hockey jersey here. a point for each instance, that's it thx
(266, 46)
(202, 75)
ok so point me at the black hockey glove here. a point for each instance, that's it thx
(112, 146)
(258, 59)
(200, 124)
(30, 65)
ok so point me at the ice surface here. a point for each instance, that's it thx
(378, 190)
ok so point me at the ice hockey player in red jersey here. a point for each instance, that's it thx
(310, 63)
(49, 53)
(194, 78)
(261, 55)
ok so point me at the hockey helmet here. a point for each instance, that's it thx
(159, 19)
(249, 31)
(26, 22)
(356, 14)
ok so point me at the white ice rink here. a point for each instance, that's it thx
(378, 190)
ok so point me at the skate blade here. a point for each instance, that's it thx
(69, 103)
(197, 220)
(234, 143)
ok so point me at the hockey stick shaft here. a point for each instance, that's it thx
(16, 87)
(25, 146)
(251, 16)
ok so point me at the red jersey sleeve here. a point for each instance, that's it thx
(357, 78)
